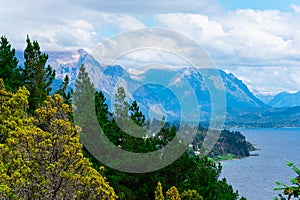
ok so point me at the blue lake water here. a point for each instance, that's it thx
(254, 177)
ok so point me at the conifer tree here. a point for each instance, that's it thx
(37, 77)
(84, 98)
(136, 115)
(101, 108)
(9, 70)
(121, 106)
(63, 91)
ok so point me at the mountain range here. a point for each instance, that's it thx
(285, 99)
(164, 91)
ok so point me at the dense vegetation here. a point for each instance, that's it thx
(231, 144)
(41, 156)
(186, 174)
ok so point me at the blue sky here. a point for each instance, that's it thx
(282, 5)
(258, 41)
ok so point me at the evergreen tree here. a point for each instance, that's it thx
(101, 108)
(63, 91)
(121, 107)
(9, 70)
(136, 115)
(186, 173)
(37, 77)
(84, 100)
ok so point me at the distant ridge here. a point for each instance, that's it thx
(238, 96)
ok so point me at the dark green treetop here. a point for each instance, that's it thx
(37, 76)
(9, 70)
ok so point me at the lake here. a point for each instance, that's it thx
(254, 177)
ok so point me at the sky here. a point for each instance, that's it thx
(256, 40)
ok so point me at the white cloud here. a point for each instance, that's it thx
(233, 39)
(269, 80)
(153, 6)
(60, 25)
(256, 36)
(296, 8)
(260, 47)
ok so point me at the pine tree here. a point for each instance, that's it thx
(9, 70)
(121, 106)
(84, 100)
(37, 77)
(101, 108)
(63, 91)
(136, 115)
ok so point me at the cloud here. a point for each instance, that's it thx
(152, 7)
(241, 36)
(151, 46)
(269, 80)
(296, 8)
(60, 25)
(237, 39)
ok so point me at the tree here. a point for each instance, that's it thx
(42, 156)
(9, 70)
(173, 194)
(10, 110)
(158, 192)
(290, 191)
(37, 77)
(191, 195)
(136, 115)
(121, 107)
(63, 91)
(101, 108)
(83, 98)
(186, 173)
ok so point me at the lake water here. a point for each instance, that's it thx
(254, 177)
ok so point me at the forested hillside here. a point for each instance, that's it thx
(42, 156)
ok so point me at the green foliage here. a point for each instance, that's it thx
(158, 192)
(62, 91)
(290, 191)
(136, 115)
(41, 157)
(173, 194)
(37, 77)
(230, 145)
(186, 173)
(9, 70)
(83, 97)
(191, 195)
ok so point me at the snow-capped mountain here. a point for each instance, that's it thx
(158, 91)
